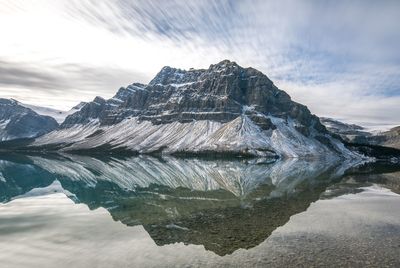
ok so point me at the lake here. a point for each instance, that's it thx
(86, 211)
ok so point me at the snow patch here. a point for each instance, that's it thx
(58, 115)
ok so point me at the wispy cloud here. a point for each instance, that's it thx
(338, 57)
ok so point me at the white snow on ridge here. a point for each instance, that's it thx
(239, 135)
(68, 135)
(58, 115)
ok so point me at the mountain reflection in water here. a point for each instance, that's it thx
(223, 205)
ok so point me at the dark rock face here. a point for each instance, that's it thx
(89, 111)
(220, 93)
(18, 122)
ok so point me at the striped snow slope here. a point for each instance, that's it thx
(240, 135)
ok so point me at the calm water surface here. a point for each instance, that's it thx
(79, 211)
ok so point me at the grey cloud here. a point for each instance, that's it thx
(59, 78)
(16, 74)
(311, 39)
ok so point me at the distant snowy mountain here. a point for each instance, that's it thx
(358, 134)
(222, 109)
(58, 115)
(17, 121)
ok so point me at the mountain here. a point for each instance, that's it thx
(348, 132)
(58, 115)
(17, 121)
(223, 109)
(390, 138)
(358, 134)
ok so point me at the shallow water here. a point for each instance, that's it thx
(79, 211)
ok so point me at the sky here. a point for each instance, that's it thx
(340, 58)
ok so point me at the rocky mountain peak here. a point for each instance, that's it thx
(79, 105)
(224, 65)
(124, 92)
(169, 75)
(174, 76)
(220, 93)
(99, 100)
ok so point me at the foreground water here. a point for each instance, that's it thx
(78, 211)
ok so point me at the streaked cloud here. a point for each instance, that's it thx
(338, 57)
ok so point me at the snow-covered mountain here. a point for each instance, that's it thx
(18, 121)
(223, 109)
(58, 115)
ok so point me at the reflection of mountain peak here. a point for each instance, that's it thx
(223, 205)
